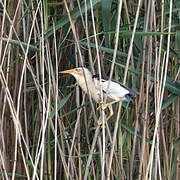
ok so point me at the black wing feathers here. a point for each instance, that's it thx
(106, 78)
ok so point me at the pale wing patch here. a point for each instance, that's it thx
(115, 89)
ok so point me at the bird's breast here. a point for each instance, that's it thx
(95, 93)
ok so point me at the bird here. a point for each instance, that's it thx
(117, 92)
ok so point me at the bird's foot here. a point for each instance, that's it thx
(101, 104)
(99, 107)
(100, 123)
(109, 117)
(105, 106)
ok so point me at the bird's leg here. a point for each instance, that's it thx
(108, 104)
(100, 122)
(110, 115)
(101, 104)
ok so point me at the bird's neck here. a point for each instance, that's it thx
(86, 83)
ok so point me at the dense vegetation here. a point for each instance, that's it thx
(48, 126)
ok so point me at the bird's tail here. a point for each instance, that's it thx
(129, 97)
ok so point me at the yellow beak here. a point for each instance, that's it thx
(69, 71)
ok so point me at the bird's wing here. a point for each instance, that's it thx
(115, 89)
(115, 86)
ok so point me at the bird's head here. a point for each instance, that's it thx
(78, 72)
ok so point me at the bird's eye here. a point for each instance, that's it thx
(78, 70)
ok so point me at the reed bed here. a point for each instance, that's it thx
(48, 126)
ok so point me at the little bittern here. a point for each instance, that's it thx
(116, 92)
